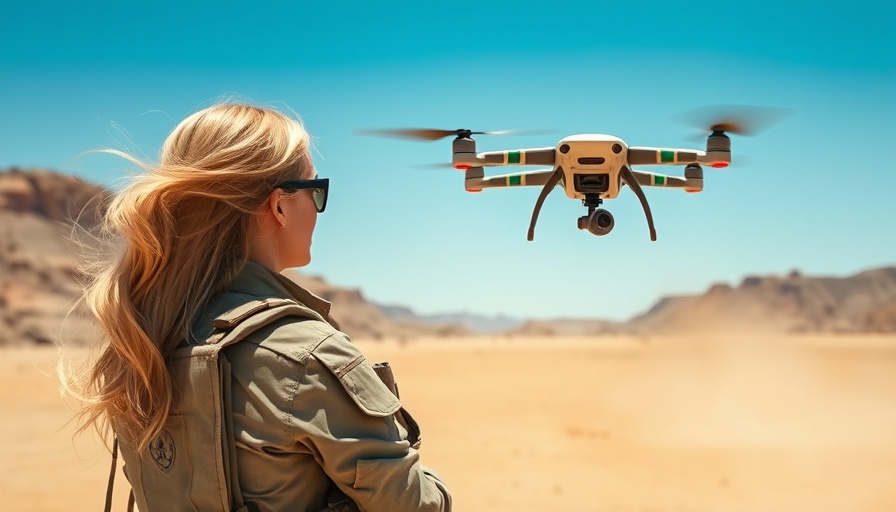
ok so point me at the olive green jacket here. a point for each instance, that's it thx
(312, 422)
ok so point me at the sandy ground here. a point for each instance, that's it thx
(722, 423)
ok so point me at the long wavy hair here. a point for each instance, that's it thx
(181, 236)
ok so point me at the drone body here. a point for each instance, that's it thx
(589, 167)
(591, 164)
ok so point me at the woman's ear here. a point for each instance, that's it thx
(273, 207)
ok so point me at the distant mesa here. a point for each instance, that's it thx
(53, 196)
(864, 302)
(720, 289)
(40, 276)
(751, 282)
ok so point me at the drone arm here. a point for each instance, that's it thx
(539, 156)
(652, 179)
(520, 179)
(662, 156)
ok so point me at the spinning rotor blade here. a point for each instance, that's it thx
(409, 133)
(434, 166)
(632, 182)
(548, 187)
(740, 119)
(430, 134)
(519, 132)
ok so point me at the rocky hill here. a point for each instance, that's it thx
(793, 303)
(40, 277)
(361, 318)
(864, 302)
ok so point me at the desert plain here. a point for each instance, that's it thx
(711, 422)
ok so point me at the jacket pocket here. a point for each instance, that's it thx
(358, 378)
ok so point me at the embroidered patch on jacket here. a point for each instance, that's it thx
(162, 451)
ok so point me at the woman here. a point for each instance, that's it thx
(206, 232)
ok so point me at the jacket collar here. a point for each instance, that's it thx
(255, 279)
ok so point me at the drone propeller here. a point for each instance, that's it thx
(548, 187)
(739, 119)
(629, 178)
(438, 165)
(430, 134)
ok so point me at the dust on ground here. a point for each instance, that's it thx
(609, 424)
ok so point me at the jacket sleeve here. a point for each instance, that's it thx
(343, 413)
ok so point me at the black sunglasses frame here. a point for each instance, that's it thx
(314, 185)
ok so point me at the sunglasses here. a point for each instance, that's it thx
(318, 187)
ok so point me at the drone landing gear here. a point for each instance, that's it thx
(598, 222)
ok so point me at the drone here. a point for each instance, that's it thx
(594, 167)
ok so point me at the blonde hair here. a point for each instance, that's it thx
(182, 231)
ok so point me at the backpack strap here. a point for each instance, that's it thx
(232, 327)
(243, 320)
(111, 484)
(229, 328)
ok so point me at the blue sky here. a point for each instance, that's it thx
(815, 192)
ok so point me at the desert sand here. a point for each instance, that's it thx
(613, 424)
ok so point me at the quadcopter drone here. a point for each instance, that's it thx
(592, 167)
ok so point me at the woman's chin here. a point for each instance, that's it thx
(301, 261)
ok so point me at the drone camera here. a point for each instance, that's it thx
(591, 183)
(599, 223)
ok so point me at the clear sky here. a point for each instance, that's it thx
(816, 192)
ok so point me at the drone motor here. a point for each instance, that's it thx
(718, 149)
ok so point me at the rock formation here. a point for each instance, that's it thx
(40, 280)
